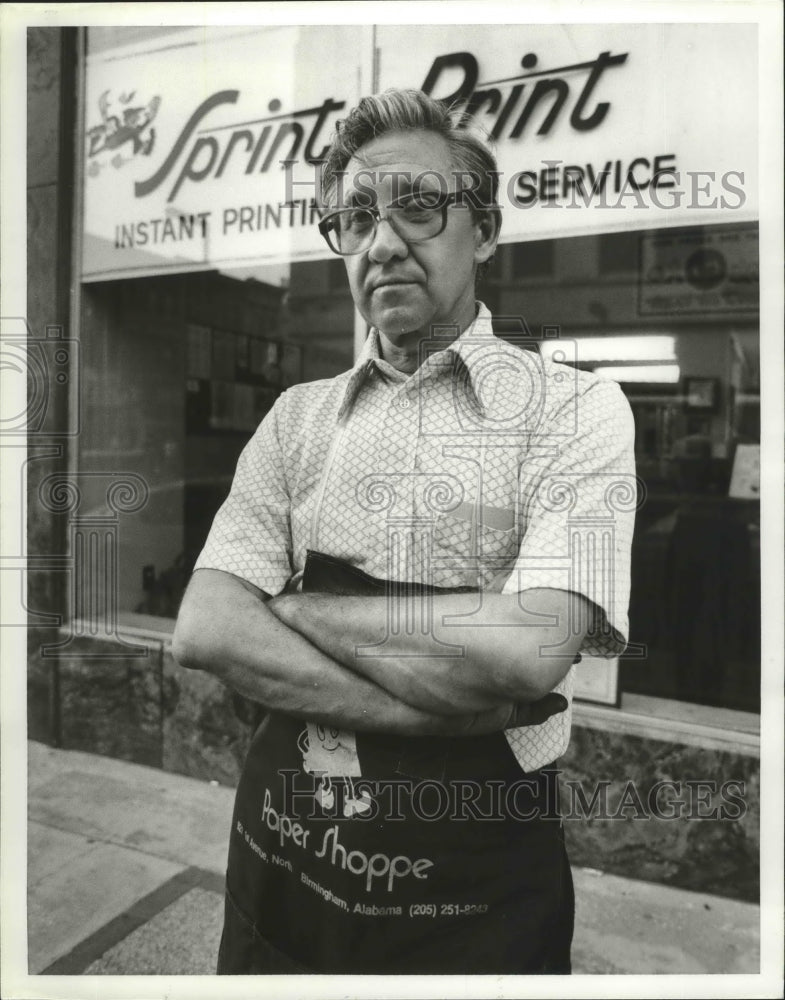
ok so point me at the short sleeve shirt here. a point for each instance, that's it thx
(490, 467)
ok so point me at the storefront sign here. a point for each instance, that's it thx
(185, 143)
(600, 128)
(203, 152)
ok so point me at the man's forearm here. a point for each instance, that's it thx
(460, 653)
(225, 628)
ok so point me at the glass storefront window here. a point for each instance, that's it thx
(180, 368)
(194, 314)
(180, 371)
(673, 317)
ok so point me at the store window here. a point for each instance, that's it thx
(203, 295)
(673, 317)
(180, 370)
(182, 363)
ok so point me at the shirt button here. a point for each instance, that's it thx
(404, 402)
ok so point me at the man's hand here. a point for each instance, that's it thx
(534, 713)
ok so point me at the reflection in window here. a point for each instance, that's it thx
(179, 372)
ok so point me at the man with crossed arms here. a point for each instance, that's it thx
(460, 465)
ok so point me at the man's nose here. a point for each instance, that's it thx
(386, 243)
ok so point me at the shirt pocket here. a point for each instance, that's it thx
(497, 545)
(469, 554)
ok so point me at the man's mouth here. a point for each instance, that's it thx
(391, 283)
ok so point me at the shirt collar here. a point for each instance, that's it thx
(463, 350)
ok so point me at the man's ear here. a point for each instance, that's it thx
(486, 234)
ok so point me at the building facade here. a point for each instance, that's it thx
(177, 286)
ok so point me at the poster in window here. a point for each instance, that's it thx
(597, 680)
(745, 478)
(707, 270)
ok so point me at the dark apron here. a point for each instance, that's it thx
(412, 855)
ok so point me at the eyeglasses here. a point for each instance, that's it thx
(414, 217)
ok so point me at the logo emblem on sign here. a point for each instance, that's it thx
(122, 123)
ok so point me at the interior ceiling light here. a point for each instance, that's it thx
(646, 347)
(639, 373)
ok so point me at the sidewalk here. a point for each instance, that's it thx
(125, 877)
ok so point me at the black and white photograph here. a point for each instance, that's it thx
(391, 443)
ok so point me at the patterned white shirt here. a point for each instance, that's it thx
(489, 467)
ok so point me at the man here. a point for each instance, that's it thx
(403, 576)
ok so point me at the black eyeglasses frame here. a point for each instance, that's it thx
(445, 200)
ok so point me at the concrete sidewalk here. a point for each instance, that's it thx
(125, 877)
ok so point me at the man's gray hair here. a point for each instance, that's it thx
(411, 110)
